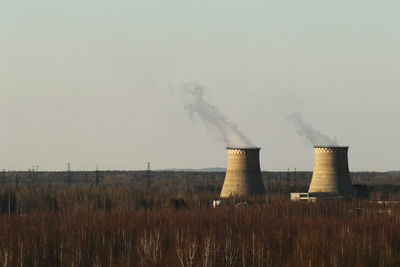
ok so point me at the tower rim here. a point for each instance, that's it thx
(338, 147)
(243, 148)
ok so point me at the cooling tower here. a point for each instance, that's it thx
(331, 172)
(243, 174)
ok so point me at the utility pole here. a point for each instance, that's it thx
(98, 175)
(148, 176)
(69, 173)
(295, 182)
(36, 173)
(31, 175)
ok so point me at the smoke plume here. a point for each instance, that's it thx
(213, 118)
(305, 129)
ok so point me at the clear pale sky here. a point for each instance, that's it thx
(99, 82)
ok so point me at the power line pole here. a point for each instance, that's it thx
(68, 180)
(148, 176)
(99, 177)
(36, 173)
(31, 175)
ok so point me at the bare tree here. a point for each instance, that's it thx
(185, 256)
(231, 252)
(149, 249)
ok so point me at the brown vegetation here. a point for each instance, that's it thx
(174, 225)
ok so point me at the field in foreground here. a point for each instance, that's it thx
(124, 225)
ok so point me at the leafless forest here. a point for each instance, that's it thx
(115, 219)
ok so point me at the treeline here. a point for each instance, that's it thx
(124, 177)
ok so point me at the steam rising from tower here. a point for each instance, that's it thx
(243, 174)
(312, 135)
(213, 118)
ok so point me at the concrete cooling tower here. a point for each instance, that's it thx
(331, 174)
(243, 174)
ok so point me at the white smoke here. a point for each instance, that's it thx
(213, 118)
(305, 129)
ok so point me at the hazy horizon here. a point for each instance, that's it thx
(101, 83)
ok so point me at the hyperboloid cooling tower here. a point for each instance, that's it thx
(243, 174)
(331, 172)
